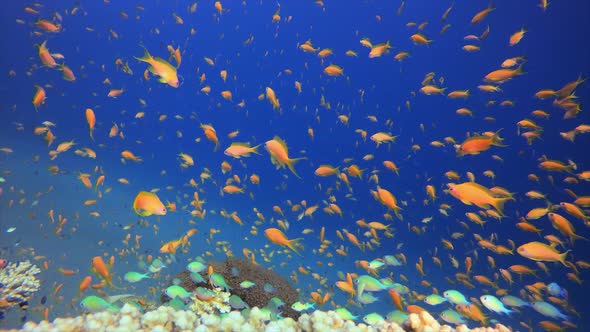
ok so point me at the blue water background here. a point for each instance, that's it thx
(555, 50)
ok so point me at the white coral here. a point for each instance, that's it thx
(167, 319)
(219, 304)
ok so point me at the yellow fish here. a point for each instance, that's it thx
(147, 203)
(162, 68)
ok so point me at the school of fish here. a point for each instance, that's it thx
(221, 172)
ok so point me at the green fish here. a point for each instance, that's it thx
(216, 280)
(397, 316)
(298, 306)
(197, 278)
(451, 316)
(196, 267)
(156, 266)
(135, 276)
(455, 297)
(237, 303)
(176, 304)
(175, 291)
(434, 299)
(370, 284)
(94, 303)
(373, 318)
(376, 264)
(345, 314)
(247, 284)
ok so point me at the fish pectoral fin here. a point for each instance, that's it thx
(142, 212)
(162, 80)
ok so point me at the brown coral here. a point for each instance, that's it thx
(254, 296)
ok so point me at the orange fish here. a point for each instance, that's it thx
(272, 98)
(46, 58)
(503, 75)
(516, 37)
(147, 203)
(541, 252)
(238, 150)
(101, 269)
(48, 26)
(211, 135)
(476, 144)
(91, 119)
(162, 68)
(333, 70)
(67, 73)
(128, 155)
(279, 154)
(39, 97)
(275, 236)
(471, 193)
(379, 50)
(84, 284)
(481, 15)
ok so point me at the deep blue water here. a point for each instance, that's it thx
(556, 53)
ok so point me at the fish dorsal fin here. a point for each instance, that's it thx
(281, 142)
(246, 144)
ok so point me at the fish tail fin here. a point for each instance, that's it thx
(291, 245)
(255, 149)
(291, 164)
(497, 140)
(499, 204)
(146, 55)
(562, 258)
(575, 237)
(518, 71)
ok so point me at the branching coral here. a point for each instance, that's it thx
(216, 303)
(234, 271)
(17, 283)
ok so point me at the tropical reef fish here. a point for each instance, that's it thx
(162, 68)
(147, 204)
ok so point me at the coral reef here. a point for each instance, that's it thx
(165, 318)
(254, 296)
(17, 284)
(215, 304)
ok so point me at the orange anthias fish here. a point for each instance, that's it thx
(211, 134)
(45, 56)
(541, 252)
(279, 154)
(147, 203)
(275, 236)
(162, 68)
(476, 144)
(39, 97)
(91, 119)
(238, 150)
(471, 193)
(101, 269)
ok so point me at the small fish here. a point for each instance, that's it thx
(196, 267)
(135, 276)
(247, 284)
(176, 291)
(94, 303)
(11, 229)
(299, 307)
